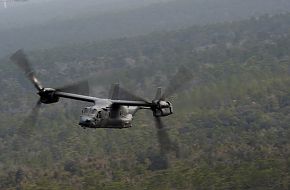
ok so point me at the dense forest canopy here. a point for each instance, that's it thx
(230, 129)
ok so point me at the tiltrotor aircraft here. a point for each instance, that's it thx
(115, 112)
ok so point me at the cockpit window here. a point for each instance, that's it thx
(85, 111)
(89, 111)
(99, 115)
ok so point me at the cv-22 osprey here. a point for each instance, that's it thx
(113, 112)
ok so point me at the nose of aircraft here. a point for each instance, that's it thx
(85, 121)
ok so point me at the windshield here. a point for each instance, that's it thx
(89, 111)
(85, 111)
(93, 111)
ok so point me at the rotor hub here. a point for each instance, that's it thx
(47, 96)
(161, 108)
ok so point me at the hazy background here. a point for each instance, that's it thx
(49, 23)
(26, 13)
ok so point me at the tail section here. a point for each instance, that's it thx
(158, 95)
(114, 92)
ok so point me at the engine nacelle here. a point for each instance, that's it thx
(162, 108)
(47, 96)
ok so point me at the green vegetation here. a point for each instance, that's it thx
(231, 124)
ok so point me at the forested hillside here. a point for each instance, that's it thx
(77, 22)
(230, 129)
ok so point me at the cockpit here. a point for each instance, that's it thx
(89, 111)
(90, 117)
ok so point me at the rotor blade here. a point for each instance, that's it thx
(80, 87)
(26, 128)
(20, 59)
(163, 137)
(177, 82)
(126, 95)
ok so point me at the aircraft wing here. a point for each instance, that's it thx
(130, 103)
(75, 96)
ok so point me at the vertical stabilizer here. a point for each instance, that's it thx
(114, 92)
(158, 94)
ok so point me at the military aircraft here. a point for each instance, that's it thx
(115, 112)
